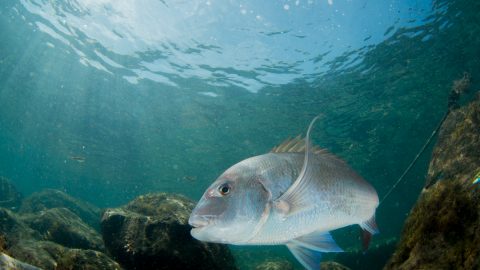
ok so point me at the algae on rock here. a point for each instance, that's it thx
(51, 198)
(63, 227)
(443, 229)
(152, 232)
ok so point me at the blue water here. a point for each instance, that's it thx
(108, 100)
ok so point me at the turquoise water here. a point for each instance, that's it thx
(108, 100)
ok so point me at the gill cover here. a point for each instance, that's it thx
(231, 217)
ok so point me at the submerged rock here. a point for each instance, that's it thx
(51, 256)
(334, 266)
(63, 227)
(79, 259)
(51, 198)
(51, 238)
(152, 232)
(443, 229)
(13, 229)
(10, 198)
(9, 263)
(43, 254)
(277, 264)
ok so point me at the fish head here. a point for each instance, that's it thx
(230, 209)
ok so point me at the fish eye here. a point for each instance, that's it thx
(224, 189)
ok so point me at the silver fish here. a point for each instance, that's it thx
(293, 196)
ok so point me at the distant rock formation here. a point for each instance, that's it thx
(47, 233)
(63, 227)
(10, 198)
(51, 198)
(152, 232)
(443, 229)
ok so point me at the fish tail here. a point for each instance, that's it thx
(369, 228)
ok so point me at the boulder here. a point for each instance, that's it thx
(443, 229)
(13, 229)
(334, 266)
(10, 198)
(79, 259)
(51, 198)
(43, 254)
(152, 232)
(51, 256)
(9, 263)
(63, 227)
(275, 264)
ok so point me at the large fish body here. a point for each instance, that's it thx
(286, 197)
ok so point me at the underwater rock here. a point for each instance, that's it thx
(334, 266)
(63, 227)
(43, 254)
(9, 263)
(10, 198)
(52, 256)
(457, 154)
(443, 229)
(13, 229)
(275, 265)
(152, 232)
(79, 259)
(51, 198)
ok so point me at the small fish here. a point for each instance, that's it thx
(293, 196)
(78, 159)
(189, 178)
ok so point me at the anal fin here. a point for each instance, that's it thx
(319, 241)
(308, 249)
(310, 259)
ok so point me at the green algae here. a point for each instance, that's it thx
(443, 229)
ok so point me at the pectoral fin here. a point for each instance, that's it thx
(308, 249)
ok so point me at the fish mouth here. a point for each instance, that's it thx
(198, 222)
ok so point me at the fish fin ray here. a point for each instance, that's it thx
(318, 241)
(310, 259)
(294, 198)
(296, 145)
(370, 225)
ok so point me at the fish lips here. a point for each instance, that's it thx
(200, 223)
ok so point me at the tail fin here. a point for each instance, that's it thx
(369, 228)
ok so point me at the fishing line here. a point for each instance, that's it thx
(429, 140)
(459, 86)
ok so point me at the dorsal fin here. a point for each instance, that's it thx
(296, 145)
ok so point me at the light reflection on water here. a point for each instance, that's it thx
(241, 43)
